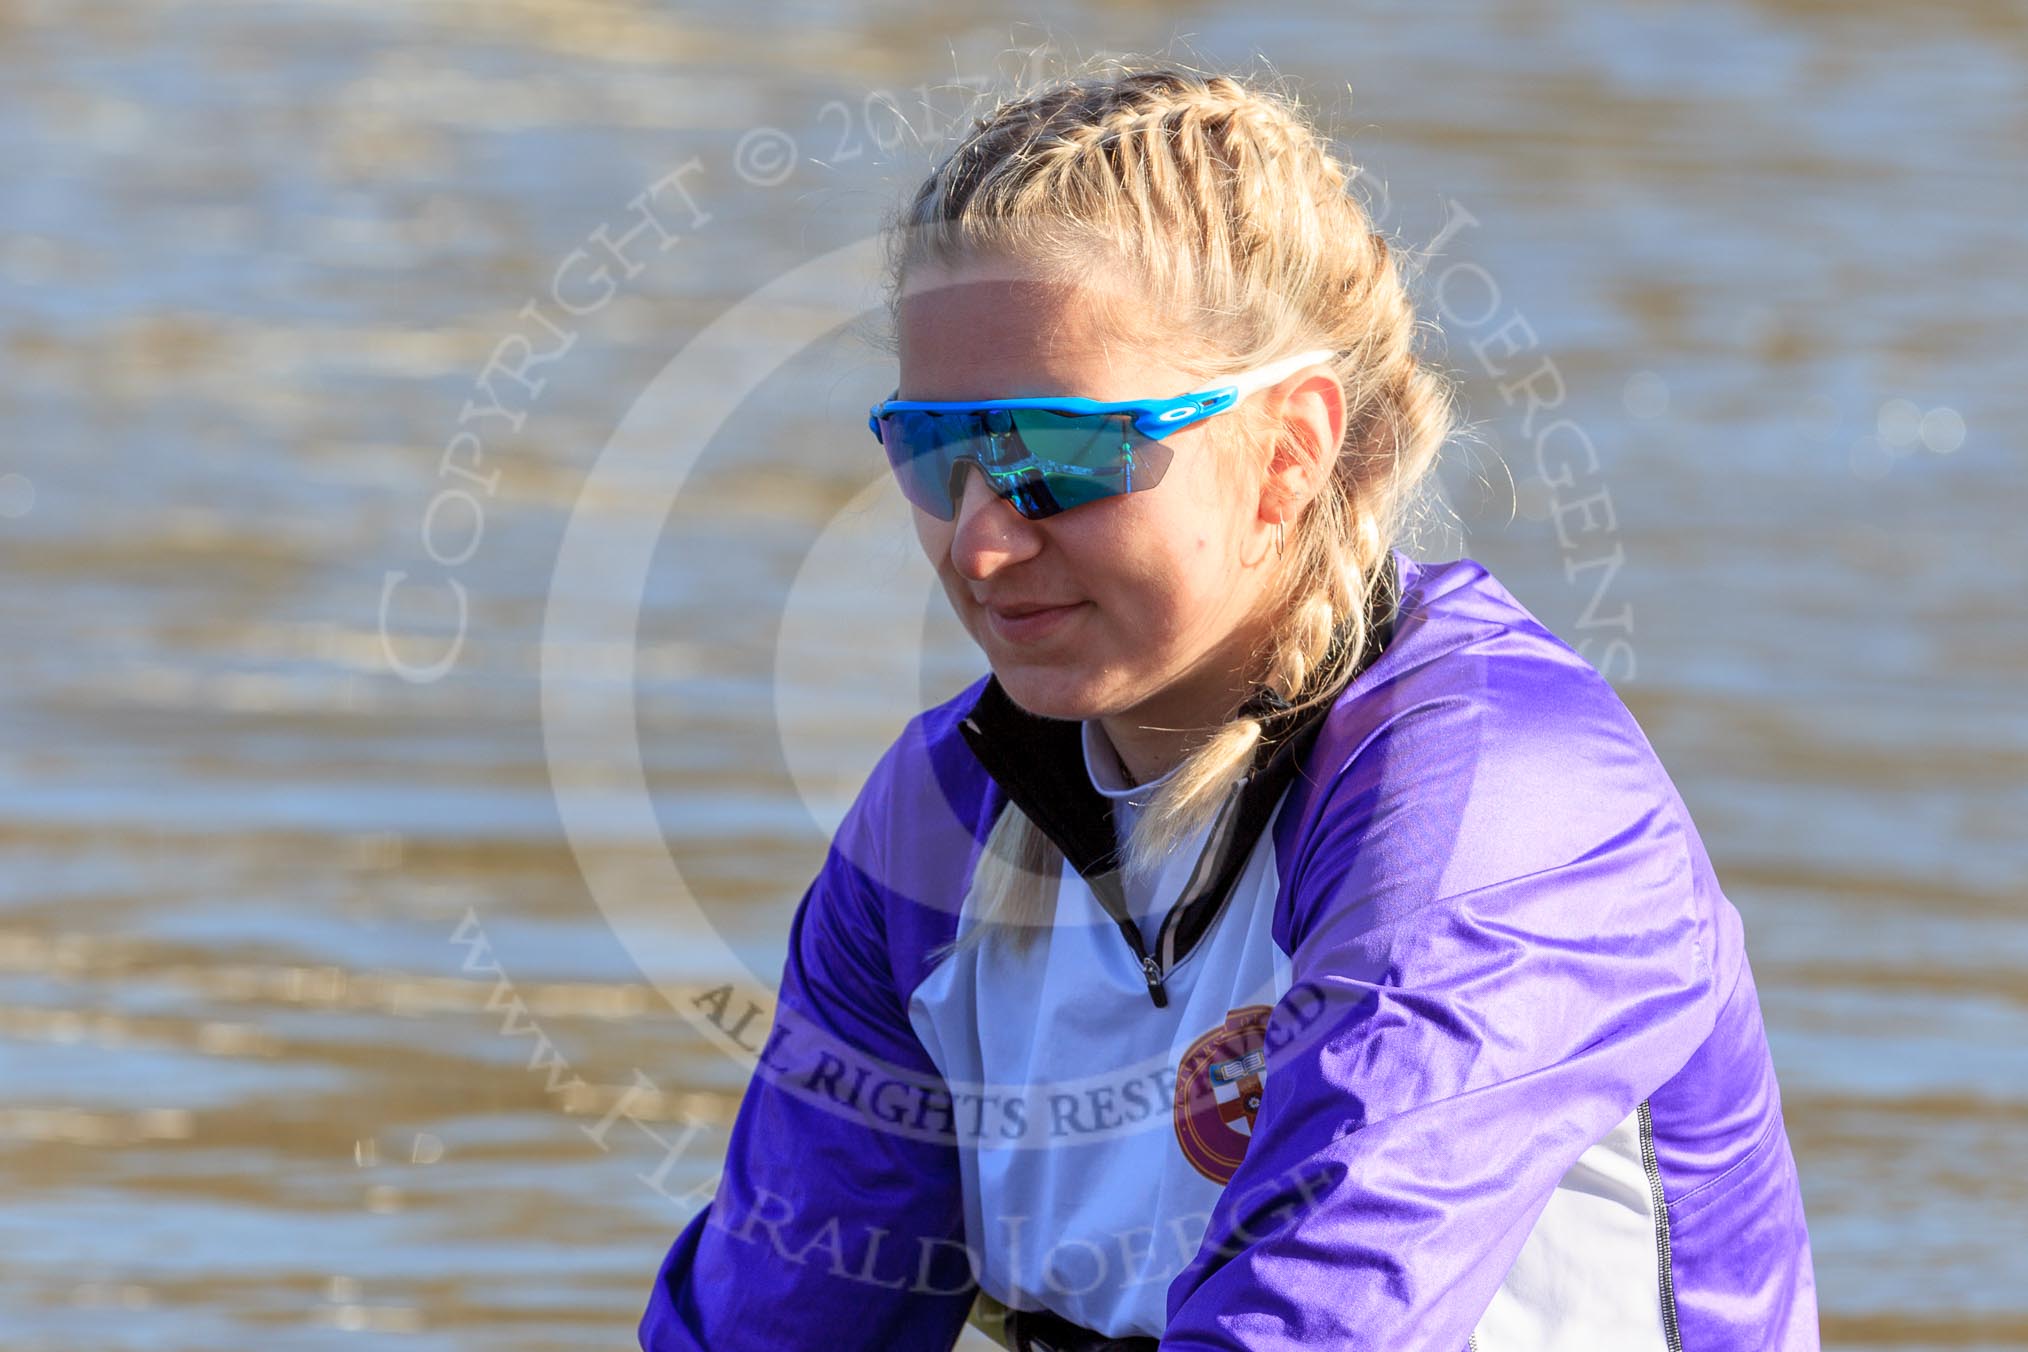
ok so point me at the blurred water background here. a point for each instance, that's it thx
(260, 1085)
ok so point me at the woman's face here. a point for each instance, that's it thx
(1142, 604)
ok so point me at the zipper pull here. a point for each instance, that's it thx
(1153, 971)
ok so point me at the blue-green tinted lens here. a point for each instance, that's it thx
(922, 448)
(1039, 461)
(1088, 456)
(1097, 443)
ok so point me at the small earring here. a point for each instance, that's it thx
(1279, 540)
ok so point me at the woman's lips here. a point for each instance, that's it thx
(1029, 624)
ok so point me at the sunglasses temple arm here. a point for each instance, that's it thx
(1254, 381)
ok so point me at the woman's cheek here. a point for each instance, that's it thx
(933, 535)
(1150, 620)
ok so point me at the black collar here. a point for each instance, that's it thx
(1039, 764)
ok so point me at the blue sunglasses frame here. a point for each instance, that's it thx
(1024, 483)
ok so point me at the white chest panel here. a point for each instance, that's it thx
(1091, 1185)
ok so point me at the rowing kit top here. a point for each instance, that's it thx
(1441, 1035)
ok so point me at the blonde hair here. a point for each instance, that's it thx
(1238, 225)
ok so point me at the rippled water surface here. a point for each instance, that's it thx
(282, 933)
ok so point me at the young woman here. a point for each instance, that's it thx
(1290, 944)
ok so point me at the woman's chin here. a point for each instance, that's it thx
(1049, 691)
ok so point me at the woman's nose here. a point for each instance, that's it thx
(988, 533)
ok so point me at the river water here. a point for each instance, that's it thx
(282, 929)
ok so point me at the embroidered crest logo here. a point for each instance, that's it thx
(1218, 1088)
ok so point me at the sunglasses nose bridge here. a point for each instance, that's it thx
(961, 483)
(1015, 494)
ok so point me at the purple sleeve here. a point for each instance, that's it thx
(1500, 947)
(838, 1220)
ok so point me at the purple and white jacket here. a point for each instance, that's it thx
(1441, 1036)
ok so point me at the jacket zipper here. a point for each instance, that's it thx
(1650, 1163)
(1151, 970)
(1165, 938)
(1113, 897)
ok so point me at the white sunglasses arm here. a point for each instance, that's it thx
(1251, 381)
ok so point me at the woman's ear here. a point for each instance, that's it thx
(1310, 423)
